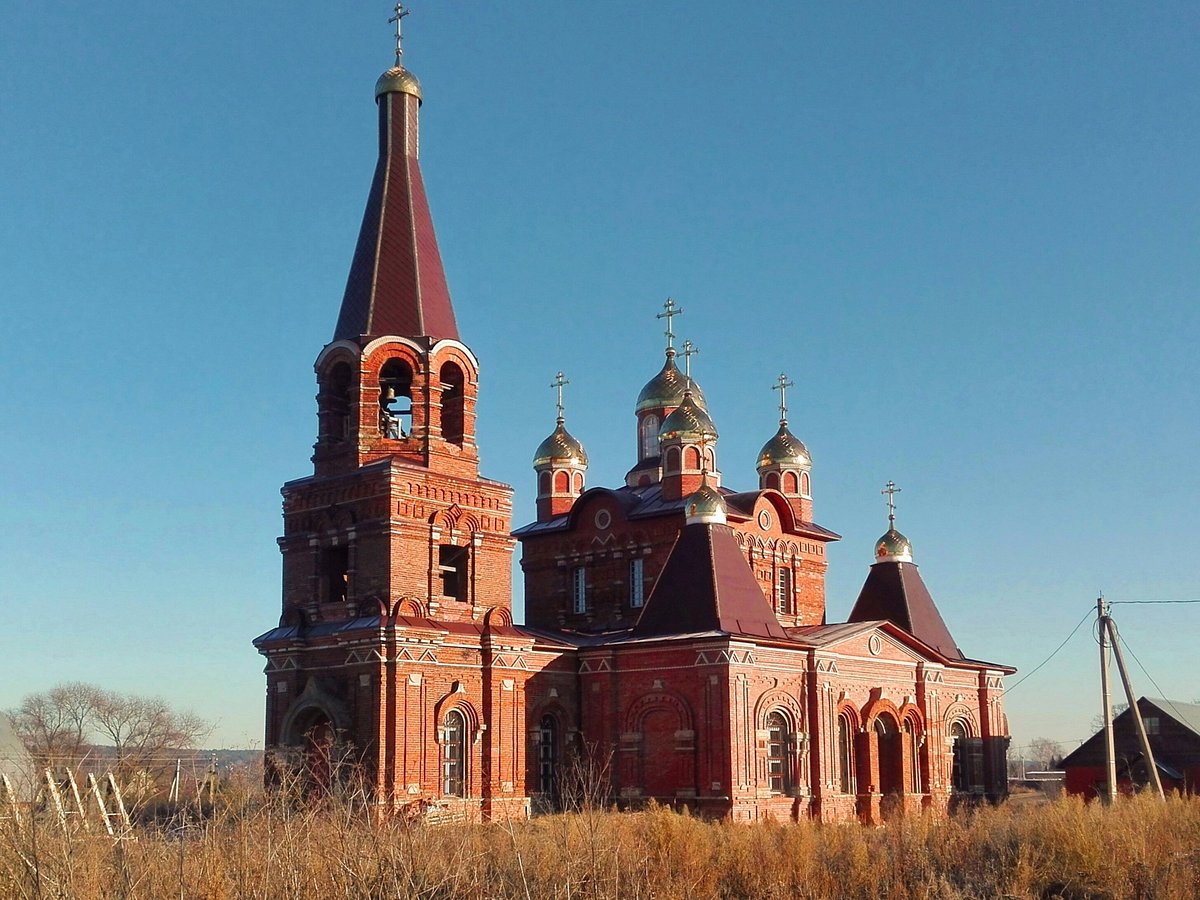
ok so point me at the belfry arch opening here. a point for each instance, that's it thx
(395, 399)
(334, 402)
(453, 395)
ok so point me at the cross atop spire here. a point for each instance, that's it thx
(689, 350)
(891, 490)
(559, 383)
(401, 12)
(670, 310)
(781, 385)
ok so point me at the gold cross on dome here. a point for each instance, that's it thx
(891, 490)
(689, 350)
(559, 382)
(401, 12)
(670, 310)
(781, 385)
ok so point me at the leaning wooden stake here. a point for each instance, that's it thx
(9, 800)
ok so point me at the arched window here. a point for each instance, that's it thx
(453, 571)
(912, 753)
(548, 756)
(783, 590)
(691, 459)
(562, 482)
(671, 460)
(544, 483)
(966, 773)
(578, 479)
(789, 483)
(454, 754)
(804, 483)
(779, 742)
(846, 782)
(335, 574)
(395, 399)
(773, 480)
(333, 403)
(710, 460)
(891, 763)
(648, 443)
(452, 403)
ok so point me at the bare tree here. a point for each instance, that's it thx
(1045, 752)
(55, 725)
(141, 730)
(69, 722)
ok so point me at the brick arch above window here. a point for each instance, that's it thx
(656, 701)
(780, 701)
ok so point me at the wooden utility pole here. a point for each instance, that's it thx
(1147, 753)
(1110, 755)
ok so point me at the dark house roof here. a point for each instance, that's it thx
(706, 586)
(895, 591)
(397, 284)
(1176, 744)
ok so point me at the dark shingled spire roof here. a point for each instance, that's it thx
(706, 585)
(895, 591)
(397, 285)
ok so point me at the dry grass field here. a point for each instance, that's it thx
(251, 848)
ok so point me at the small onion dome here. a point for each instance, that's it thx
(689, 420)
(560, 447)
(398, 80)
(667, 388)
(785, 449)
(706, 506)
(893, 547)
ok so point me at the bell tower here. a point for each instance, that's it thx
(396, 511)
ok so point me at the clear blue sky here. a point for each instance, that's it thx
(968, 231)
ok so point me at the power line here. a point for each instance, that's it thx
(1146, 602)
(1009, 689)
(1161, 692)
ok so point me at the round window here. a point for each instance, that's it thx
(603, 519)
(764, 520)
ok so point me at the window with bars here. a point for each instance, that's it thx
(454, 756)
(783, 590)
(548, 755)
(778, 738)
(452, 569)
(579, 588)
(637, 584)
(846, 783)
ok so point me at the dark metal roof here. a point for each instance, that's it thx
(397, 285)
(647, 501)
(895, 591)
(705, 586)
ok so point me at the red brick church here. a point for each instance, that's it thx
(675, 629)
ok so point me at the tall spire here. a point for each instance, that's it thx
(397, 285)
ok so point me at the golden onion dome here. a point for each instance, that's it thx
(560, 447)
(705, 506)
(785, 449)
(398, 80)
(666, 389)
(893, 547)
(688, 421)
